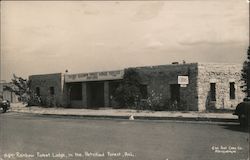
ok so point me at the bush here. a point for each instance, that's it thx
(128, 93)
(245, 74)
(157, 102)
(21, 87)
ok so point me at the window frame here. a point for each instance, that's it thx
(144, 91)
(52, 90)
(213, 91)
(38, 91)
(232, 89)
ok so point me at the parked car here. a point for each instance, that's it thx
(243, 112)
(4, 105)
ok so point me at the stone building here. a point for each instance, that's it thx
(219, 86)
(197, 86)
(49, 87)
(7, 95)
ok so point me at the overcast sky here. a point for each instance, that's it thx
(48, 37)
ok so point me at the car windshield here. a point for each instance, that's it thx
(247, 99)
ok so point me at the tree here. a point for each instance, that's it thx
(21, 87)
(128, 93)
(245, 74)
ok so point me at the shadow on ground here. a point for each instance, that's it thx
(236, 127)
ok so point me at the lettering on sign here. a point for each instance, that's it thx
(183, 80)
(94, 76)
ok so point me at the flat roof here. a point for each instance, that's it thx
(117, 74)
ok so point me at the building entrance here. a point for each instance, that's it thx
(95, 94)
(75, 91)
(175, 92)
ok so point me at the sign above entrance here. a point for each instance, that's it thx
(94, 76)
(183, 80)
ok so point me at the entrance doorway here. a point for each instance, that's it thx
(175, 92)
(75, 91)
(95, 94)
(74, 94)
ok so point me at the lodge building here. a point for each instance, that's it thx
(201, 86)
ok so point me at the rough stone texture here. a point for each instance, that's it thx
(44, 82)
(159, 78)
(222, 75)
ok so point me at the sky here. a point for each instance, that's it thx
(40, 37)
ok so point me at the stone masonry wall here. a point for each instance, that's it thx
(159, 78)
(44, 82)
(222, 75)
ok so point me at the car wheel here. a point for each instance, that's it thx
(242, 119)
(4, 109)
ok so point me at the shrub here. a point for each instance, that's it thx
(245, 74)
(128, 94)
(157, 102)
(21, 87)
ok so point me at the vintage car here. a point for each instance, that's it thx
(243, 112)
(4, 105)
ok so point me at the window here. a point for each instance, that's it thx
(232, 90)
(51, 91)
(144, 91)
(213, 91)
(37, 91)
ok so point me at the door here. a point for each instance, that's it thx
(175, 92)
(95, 94)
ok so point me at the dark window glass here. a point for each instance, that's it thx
(144, 91)
(213, 91)
(51, 90)
(37, 91)
(232, 90)
(175, 92)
